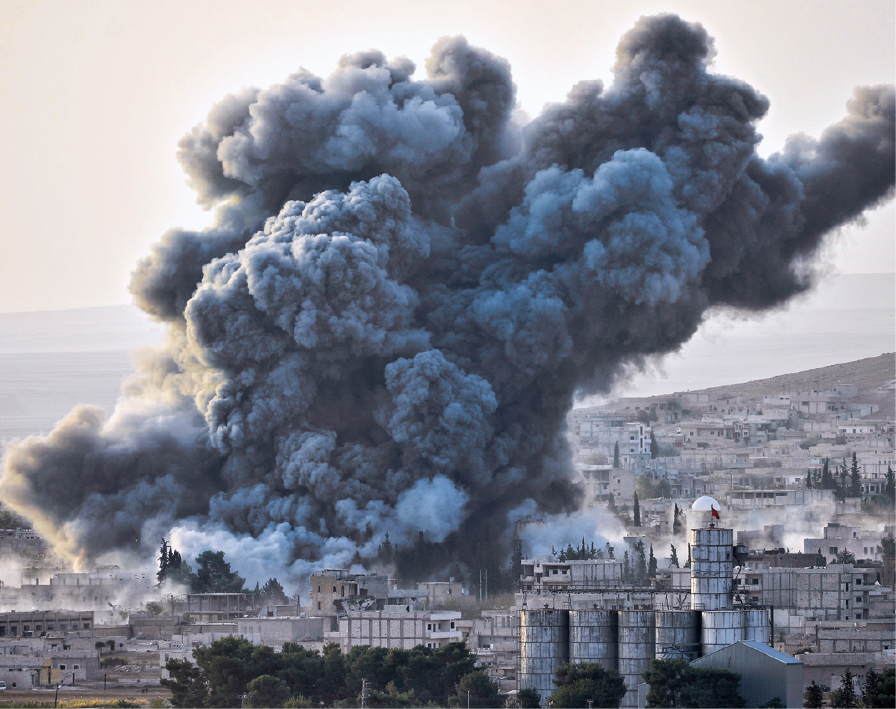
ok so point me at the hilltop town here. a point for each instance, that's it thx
(743, 517)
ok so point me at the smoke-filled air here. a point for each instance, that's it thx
(404, 290)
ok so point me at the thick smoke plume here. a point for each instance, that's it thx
(403, 291)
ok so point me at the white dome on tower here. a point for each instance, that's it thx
(705, 504)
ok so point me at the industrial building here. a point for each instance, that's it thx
(764, 673)
(628, 640)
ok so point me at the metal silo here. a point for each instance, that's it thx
(677, 635)
(544, 646)
(593, 637)
(637, 644)
(721, 629)
(757, 625)
(712, 568)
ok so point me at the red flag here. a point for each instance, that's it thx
(714, 513)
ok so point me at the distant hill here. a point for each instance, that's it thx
(875, 378)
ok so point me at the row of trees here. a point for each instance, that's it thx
(295, 677)
(848, 482)
(213, 575)
(878, 690)
(584, 552)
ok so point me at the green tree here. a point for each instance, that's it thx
(675, 683)
(888, 545)
(827, 480)
(676, 522)
(163, 561)
(272, 593)
(391, 697)
(871, 680)
(890, 488)
(581, 681)
(213, 574)
(476, 690)
(267, 691)
(188, 684)
(673, 560)
(651, 564)
(385, 552)
(640, 564)
(300, 701)
(845, 695)
(616, 455)
(773, 703)
(154, 608)
(654, 446)
(855, 478)
(846, 557)
(637, 511)
(880, 689)
(813, 697)
(528, 698)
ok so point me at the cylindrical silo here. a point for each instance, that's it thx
(677, 635)
(544, 646)
(594, 637)
(637, 644)
(712, 568)
(757, 625)
(721, 629)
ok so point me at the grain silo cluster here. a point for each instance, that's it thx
(627, 640)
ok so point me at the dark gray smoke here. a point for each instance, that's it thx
(403, 291)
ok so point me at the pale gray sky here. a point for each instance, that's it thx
(97, 94)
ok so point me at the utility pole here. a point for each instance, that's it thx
(365, 693)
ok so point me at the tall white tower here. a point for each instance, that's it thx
(712, 558)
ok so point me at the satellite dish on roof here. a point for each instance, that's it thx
(705, 504)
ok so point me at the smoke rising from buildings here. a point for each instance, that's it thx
(403, 291)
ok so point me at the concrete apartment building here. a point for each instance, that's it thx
(840, 592)
(275, 631)
(439, 592)
(36, 623)
(861, 543)
(495, 640)
(396, 629)
(550, 576)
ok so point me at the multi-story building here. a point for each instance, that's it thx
(550, 576)
(861, 543)
(396, 629)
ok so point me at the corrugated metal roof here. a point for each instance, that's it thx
(771, 652)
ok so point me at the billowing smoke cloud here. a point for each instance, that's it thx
(403, 291)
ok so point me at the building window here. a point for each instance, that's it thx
(77, 667)
(832, 550)
(318, 605)
(334, 588)
(61, 667)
